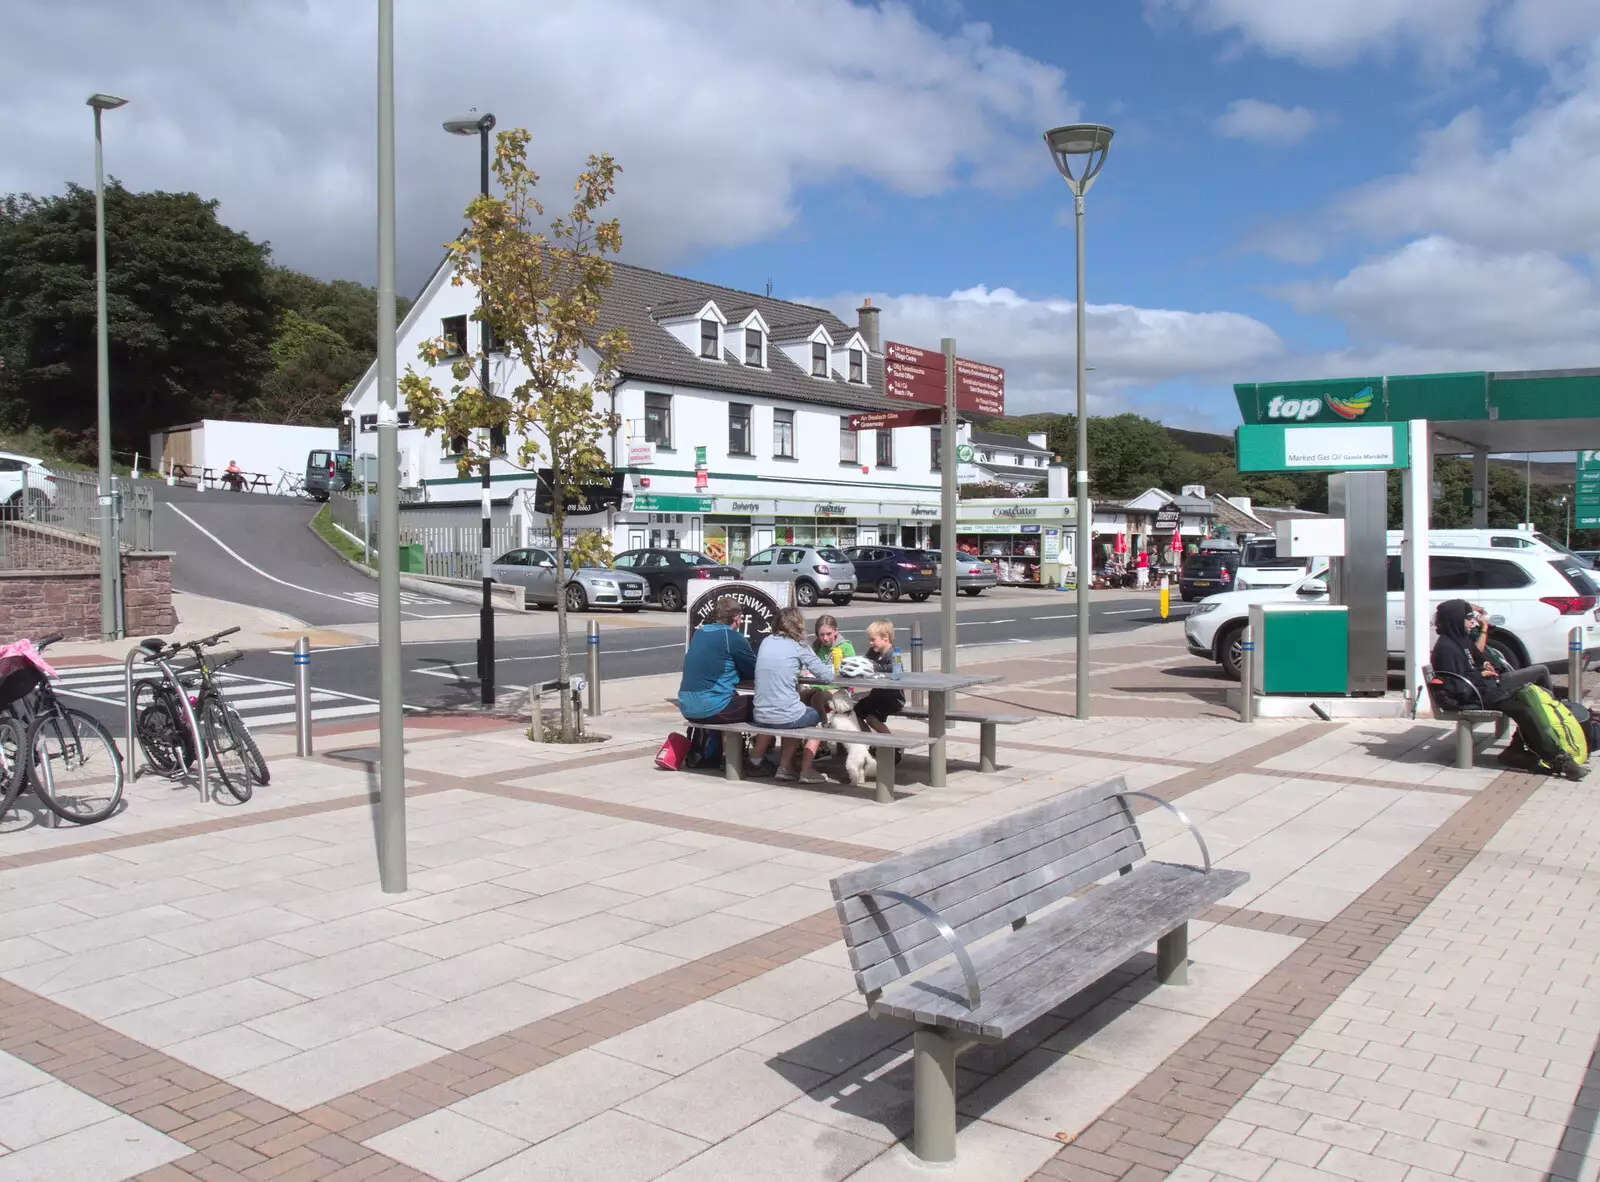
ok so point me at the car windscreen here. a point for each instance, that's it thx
(1206, 564)
(1259, 553)
(829, 554)
(1582, 580)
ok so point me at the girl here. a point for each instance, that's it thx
(778, 704)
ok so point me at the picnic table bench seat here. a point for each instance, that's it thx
(971, 938)
(1465, 720)
(987, 724)
(883, 747)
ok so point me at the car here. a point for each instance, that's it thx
(328, 472)
(815, 571)
(669, 572)
(26, 485)
(1534, 599)
(1260, 566)
(534, 570)
(893, 571)
(1207, 572)
(1592, 557)
(974, 575)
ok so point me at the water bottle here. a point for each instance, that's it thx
(899, 666)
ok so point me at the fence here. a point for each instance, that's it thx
(456, 551)
(57, 526)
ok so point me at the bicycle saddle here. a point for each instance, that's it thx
(153, 644)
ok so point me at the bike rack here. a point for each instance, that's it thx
(183, 700)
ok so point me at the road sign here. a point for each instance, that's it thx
(882, 420)
(918, 376)
(1586, 505)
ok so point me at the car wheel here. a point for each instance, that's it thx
(1230, 650)
(805, 593)
(672, 598)
(888, 589)
(577, 599)
(842, 600)
(1508, 649)
(973, 591)
(918, 596)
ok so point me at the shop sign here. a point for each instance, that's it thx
(1167, 519)
(641, 454)
(1015, 511)
(760, 602)
(1052, 545)
(1326, 448)
(700, 457)
(745, 507)
(827, 509)
(964, 453)
(924, 511)
(661, 503)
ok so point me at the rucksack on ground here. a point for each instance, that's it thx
(1556, 730)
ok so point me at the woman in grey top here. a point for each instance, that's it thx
(779, 661)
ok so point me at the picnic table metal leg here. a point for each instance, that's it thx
(732, 755)
(885, 760)
(933, 1084)
(1463, 744)
(1172, 956)
(937, 702)
(986, 744)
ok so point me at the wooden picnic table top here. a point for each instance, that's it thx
(935, 682)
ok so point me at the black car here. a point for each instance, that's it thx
(669, 572)
(893, 571)
(1207, 572)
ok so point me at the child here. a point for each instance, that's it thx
(878, 704)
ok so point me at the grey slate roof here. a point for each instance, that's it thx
(797, 330)
(638, 295)
(1014, 472)
(682, 308)
(1010, 442)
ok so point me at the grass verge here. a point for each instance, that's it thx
(322, 525)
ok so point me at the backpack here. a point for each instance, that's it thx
(673, 752)
(1557, 731)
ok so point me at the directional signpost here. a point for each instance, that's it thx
(1586, 505)
(917, 375)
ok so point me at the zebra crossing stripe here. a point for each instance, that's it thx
(258, 700)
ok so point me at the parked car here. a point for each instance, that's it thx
(26, 485)
(974, 575)
(893, 571)
(328, 472)
(1533, 597)
(1260, 567)
(534, 571)
(816, 571)
(668, 572)
(1207, 572)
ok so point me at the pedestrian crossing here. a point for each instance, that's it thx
(260, 701)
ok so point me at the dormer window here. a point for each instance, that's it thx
(819, 359)
(710, 338)
(856, 360)
(754, 347)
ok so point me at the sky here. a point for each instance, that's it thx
(1296, 188)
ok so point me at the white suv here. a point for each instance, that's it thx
(1534, 597)
(26, 485)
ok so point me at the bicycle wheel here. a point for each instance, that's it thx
(228, 753)
(75, 767)
(158, 730)
(13, 766)
(258, 763)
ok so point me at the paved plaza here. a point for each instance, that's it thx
(605, 972)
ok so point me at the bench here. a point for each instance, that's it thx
(883, 747)
(1465, 720)
(905, 917)
(986, 728)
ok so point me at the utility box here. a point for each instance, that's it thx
(1310, 537)
(1301, 648)
(411, 560)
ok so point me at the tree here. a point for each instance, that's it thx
(541, 290)
(189, 312)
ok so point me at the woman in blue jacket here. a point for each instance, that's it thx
(719, 658)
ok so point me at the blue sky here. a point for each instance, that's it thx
(1297, 188)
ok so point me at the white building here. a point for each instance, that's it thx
(997, 458)
(733, 413)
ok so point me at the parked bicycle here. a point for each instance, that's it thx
(66, 757)
(162, 725)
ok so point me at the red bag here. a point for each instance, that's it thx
(673, 752)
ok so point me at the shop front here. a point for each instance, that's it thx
(1029, 540)
(730, 529)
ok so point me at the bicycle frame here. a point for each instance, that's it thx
(171, 679)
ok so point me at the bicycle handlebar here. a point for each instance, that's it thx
(45, 643)
(169, 650)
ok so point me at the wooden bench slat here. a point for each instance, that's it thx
(827, 734)
(1055, 957)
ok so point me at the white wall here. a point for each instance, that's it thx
(274, 449)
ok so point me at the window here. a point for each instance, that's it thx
(856, 372)
(497, 441)
(886, 449)
(738, 429)
(539, 558)
(1495, 574)
(455, 445)
(936, 445)
(819, 359)
(658, 419)
(1449, 573)
(514, 558)
(847, 443)
(624, 561)
(454, 332)
(369, 423)
(783, 434)
(493, 342)
(986, 456)
(710, 339)
(1502, 542)
(754, 346)
(762, 559)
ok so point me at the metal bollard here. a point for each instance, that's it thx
(302, 696)
(1575, 665)
(594, 668)
(919, 698)
(1247, 676)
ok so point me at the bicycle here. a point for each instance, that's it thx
(65, 756)
(290, 486)
(162, 726)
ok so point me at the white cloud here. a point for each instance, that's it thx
(1034, 341)
(720, 112)
(1265, 123)
(1332, 32)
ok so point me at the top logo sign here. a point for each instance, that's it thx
(1301, 409)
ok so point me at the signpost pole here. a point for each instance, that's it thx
(947, 519)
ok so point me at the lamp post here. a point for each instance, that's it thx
(473, 123)
(1079, 151)
(110, 545)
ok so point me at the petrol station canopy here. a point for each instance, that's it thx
(1523, 411)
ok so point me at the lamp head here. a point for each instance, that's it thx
(471, 123)
(105, 102)
(1081, 147)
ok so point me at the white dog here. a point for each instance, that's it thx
(858, 760)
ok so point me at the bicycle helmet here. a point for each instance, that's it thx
(856, 667)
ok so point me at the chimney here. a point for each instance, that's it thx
(1039, 439)
(867, 323)
(1240, 503)
(1057, 486)
(1195, 490)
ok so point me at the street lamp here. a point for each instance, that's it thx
(473, 123)
(1079, 151)
(110, 551)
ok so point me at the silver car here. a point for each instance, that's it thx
(534, 570)
(815, 571)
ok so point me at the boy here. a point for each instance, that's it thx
(877, 705)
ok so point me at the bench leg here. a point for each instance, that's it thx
(885, 758)
(933, 1084)
(986, 747)
(1501, 726)
(1172, 956)
(732, 756)
(1463, 744)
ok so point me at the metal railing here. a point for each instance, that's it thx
(456, 551)
(56, 525)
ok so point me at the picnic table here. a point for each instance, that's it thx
(941, 689)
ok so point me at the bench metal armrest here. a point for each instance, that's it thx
(1177, 812)
(1466, 681)
(946, 933)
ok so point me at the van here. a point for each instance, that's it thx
(1260, 567)
(1494, 539)
(328, 472)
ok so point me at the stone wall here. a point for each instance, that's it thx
(35, 603)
